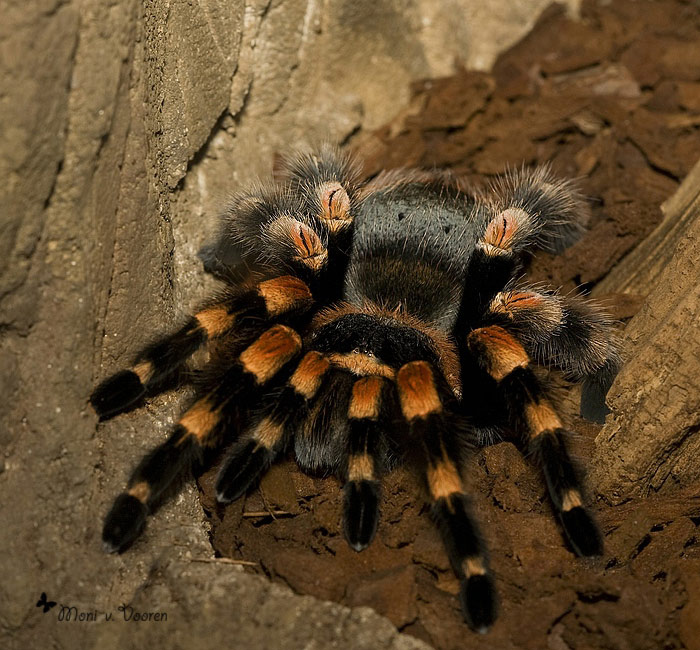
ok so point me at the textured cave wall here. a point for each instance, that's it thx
(123, 125)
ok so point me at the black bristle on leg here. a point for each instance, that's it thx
(171, 352)
(117, 393)
(123, 523)
(477, 595)
(550, 452)
(493, 273)
(582, 532)
(241, 469)
(468, 558)
(166, 463)
(361, 508)
(125, 390)
(459, 533)
(594, 390)
(151, 479)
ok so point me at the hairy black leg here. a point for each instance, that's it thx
(158, 470)
(281, 296)
(440, 435)
(568, 333)
(313, 244)
(550, 452)
(249, 457)
(496, 259)
(267, 436)
(557, 205)
(201, 428)
(368, 415)
(531, 414)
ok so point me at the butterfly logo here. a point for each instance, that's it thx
(46, 604)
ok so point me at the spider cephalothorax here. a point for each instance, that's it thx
(366, 324)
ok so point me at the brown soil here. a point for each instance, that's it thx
(614, 98)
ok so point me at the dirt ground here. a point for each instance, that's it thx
(613, 99)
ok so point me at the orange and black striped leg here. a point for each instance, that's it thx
(268, 436)
(367, 413)
(250, 457)
(547, 446)
(200, 429)
(159, 362)
(442, 436)
(531, 414)
(549, 449)
(568, 333)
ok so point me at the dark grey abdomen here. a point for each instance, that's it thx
(411, 248)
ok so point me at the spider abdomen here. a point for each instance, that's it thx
(411, 251)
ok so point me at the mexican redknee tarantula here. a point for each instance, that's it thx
(369, 323)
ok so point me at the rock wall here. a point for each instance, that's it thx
(124, 125)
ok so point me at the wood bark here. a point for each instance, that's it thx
(651, 440)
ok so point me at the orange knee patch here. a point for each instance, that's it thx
(360, 468)
(335, 206)
(541, 417)
(571, 499)
(275, 347)
(143, 370)
(502, 231)
(307, 247)
(417, 391)
(200, 419)
(268, 433)
(508, 302)
(503, 352)
(362, 364)
(365, 400)
(307, 377)
(283, 294)
(474, 566)
(215, 320)
(140, 491)
(443, 480)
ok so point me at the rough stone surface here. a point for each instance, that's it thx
(122, 125)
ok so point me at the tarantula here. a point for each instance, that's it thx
(370, 323)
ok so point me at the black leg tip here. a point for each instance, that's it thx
(582, 532)
(477, 596)
(123, 523)
(593, 406)
(226, 496)
(116, 394)
(361, 513)
(240, 470)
